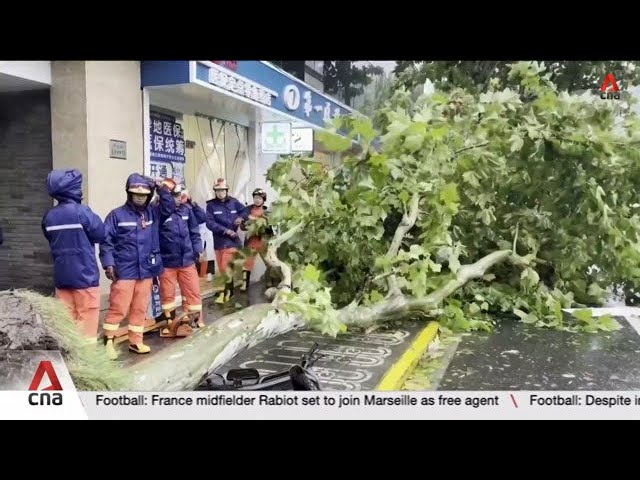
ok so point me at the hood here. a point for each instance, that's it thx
(65, 185)
(136, 178)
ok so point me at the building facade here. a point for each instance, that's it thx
(191, 120)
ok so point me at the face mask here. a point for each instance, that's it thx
(138, 199)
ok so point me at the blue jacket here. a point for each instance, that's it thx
(72, 230)
(180, 242)
(201, 216)
(129, 246)
(221, 216)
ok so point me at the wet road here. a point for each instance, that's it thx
(517, 356)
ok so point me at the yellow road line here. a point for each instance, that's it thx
(397, 374)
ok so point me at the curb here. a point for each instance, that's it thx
(397, 374)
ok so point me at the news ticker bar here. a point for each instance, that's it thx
(320, 405)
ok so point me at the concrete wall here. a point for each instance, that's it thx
(25, 161)
(92, 103)
(69, 118)
(114, 111)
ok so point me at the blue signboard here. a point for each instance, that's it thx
(253, 81)
(167, 139)
(294, 97)
(167, 147)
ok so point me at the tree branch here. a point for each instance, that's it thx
(271, 258)
(399, 306)
(470, 147)
(406, 224)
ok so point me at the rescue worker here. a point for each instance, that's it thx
(130, 256)
(72, 230)
(201, 216)
(180, 248)
(203, 264)
(255, 243)
(223, 219)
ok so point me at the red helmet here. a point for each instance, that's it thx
(220, 185)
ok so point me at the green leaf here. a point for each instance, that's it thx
(311, 273)
(522, 315)
(449, 194)
(396, 173)
(404, 196)
(584, 315)
(363, 126)
(439, 132)
(367, 183)
(608, 324)
(596, 291)
(484, 306)
(530, 277)
(454, 263)
(471, 178)
(516, 143)
(334, 142)
(413, 142)
(474, 308)
(375, 296)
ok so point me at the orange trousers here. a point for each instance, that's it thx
(224, 257)
(128, 296)
(257, 246)
(189, 282)
(84, 306)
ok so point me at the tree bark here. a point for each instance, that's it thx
(408, 221)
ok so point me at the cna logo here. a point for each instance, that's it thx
(610, 89)
(45, 368)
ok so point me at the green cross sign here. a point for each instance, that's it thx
(275, 136)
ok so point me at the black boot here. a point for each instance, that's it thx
(228, 291)
(246, 278)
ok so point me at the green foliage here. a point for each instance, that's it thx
(345, 79)
(312, 300)
(560, 170)
(477, 75)
(257, 227)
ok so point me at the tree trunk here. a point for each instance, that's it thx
(184, 365)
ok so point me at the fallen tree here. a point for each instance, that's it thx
(472, 205)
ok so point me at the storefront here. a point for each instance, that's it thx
(195, 120)
(211, 119)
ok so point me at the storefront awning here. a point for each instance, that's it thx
(260, 85)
